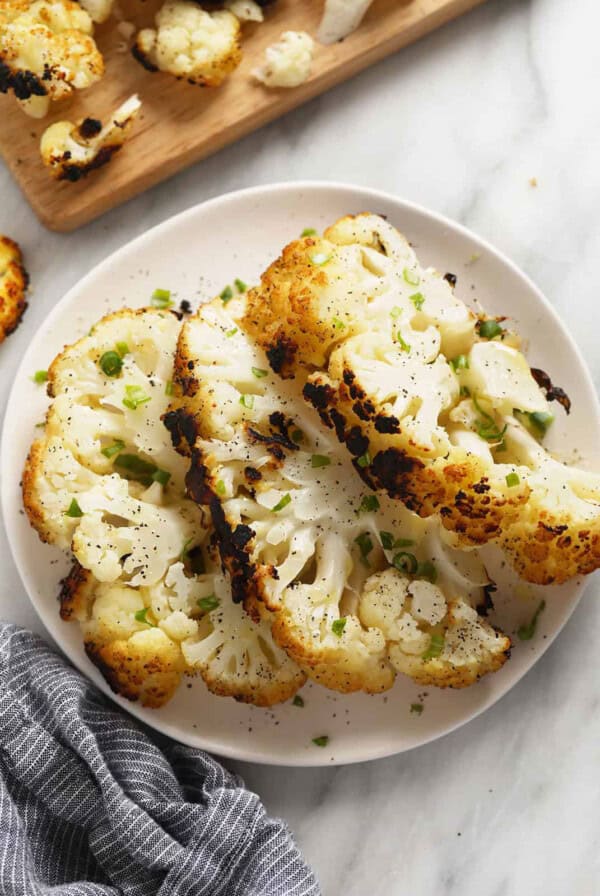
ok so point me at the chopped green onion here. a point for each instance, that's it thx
(281, 504)
(427, 571)
(226, 295)
(435, 648)
(403, 345)
(541, 420)
(209, 603)
(338, 626)
(417, 708)
(369, 504)
(387, 540)
(116, 447)
(240, 285)
(247, 401)
(231, 332)
(364, 460)
(365, 544)
(319, 258)
(111, 363)
(321, 741)
(298, 701)
(161, 298)
(134, 397)
(395, 312)
(417, 299)
(526, 632)
(465, 392)
(461, 362)
(220, 487)
(338, 324)
(487, 427)
(403, 543)
(74, 510)
(512, 479)
(136, 466)
(489, 329)
(319, 460)
(161, 476)
(297, 435)
(40, 376)
(122, 348)
(259, 372)
(308, 231)
(405, 562)
(411, 277)
(169, 387)
(140, 616)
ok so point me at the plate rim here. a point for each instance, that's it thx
(51, 623)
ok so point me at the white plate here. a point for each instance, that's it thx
(195, 254)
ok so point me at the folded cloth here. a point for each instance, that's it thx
(90, 805)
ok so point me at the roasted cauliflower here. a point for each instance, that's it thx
(287, 62)
(13, 287)
(98, 10)
(414, 382)
(188, 42)
(46, 52)
(73, 151)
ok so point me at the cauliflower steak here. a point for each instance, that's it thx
(13, 287)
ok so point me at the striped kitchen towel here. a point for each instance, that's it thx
(90, 806)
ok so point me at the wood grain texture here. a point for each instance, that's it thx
(180, 123)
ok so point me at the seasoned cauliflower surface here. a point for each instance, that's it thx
(245, 10)
(73, 151)
(288, 62)
(13, 287)
(46, 52)
(297, 530)
(409, 378)
(98, 10)
(341, 18)
(188, 42)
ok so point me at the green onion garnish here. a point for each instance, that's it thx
(435, 648)
(365, 544)
(308, 231)
(161, 298)
(364, 460)
(512, 479)
(427, 570)
(411, 277)
(231, 332)
(403, 345)
(405, 562)
(395, 312)
(220, 487)
(116, 447)
(321, 741)
(111, 363)
(136, 466)
(247, 401)
(209, 603)
(226, 295)
(297, 435)
(161, 476)
(417, 708)
(338, 324)
(489, 329)
(259, 372)
(298, 701)
(40, 376)
(319, 460)
(387, 540)
(240, 285)
(403, 543)
(134, 397)
(461, 362)
(281, 504)
(417, 299)
(338, 626)
(541, 420)
(465, 392)
(369, 504)
(122, 348)
(74, 510)
(487, 427)
(140, 616)
(169, 387)
(526, 632)
(319, 258)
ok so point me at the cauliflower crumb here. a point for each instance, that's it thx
(73, 151)
(188, 42)
(13, 286)
(287, 62)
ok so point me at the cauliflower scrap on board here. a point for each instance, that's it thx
(13, 287)
(73, 151)
(46, 52)
(296, 531)
(188, 42)
(105, 482)
(407, 376)
(287, 62)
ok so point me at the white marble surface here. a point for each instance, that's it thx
(460, 122)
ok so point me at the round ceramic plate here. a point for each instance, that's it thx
(195, 255)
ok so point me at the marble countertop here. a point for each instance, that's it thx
(466, 122)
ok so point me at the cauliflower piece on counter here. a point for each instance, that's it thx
(432, 639)
(245, 10)
(188, 42)
(13, 287)
(341, 18)
(73, 151)
(46, 52)
(287, 62)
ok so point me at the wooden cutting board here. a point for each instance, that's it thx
(180, 123)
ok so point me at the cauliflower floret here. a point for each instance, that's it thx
(287, 62)
(98, 10)
(73, 151)
(341, 18)
(188, 42)
(13, 287)
(432, 639)
(46, 52)
(245, 10)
